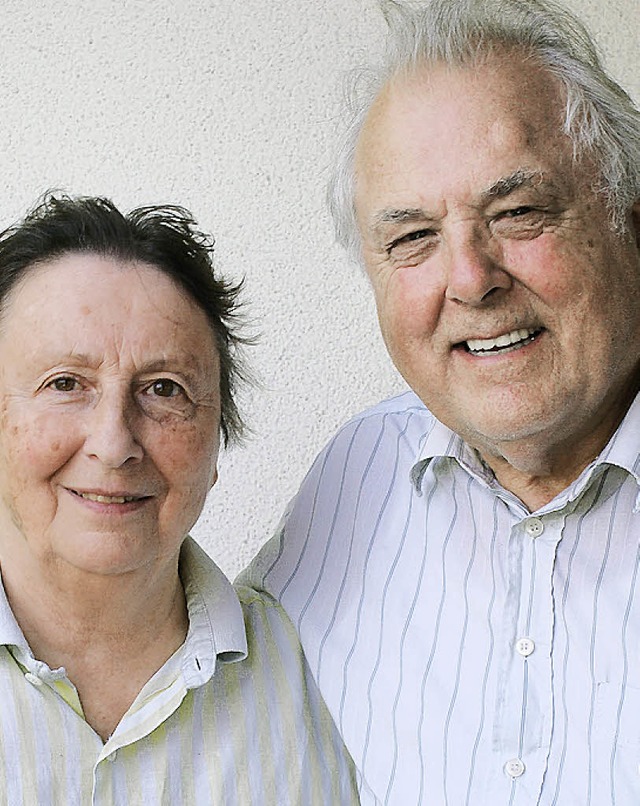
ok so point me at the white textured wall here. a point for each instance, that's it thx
(229, 107)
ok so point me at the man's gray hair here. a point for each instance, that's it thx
(600, 118)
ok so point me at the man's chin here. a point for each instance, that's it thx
(502, 433)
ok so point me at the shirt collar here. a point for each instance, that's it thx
(10, 632)
(216, 623)
(623, 450)
(442, 442)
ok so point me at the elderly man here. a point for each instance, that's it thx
(461, 562)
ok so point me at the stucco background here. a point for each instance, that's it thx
(230, 108)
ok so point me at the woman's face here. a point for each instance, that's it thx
(109, 416)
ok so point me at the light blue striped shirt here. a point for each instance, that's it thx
(470, 651)
(232, 719)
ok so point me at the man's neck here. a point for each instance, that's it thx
(535, 474)
(538, 467)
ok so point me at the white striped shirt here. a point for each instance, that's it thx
(471, 652)
(233, 718)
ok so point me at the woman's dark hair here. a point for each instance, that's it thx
(165, 237)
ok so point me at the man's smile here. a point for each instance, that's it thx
(502, 344)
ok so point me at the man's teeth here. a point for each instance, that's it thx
(517, 337)
(108, 499)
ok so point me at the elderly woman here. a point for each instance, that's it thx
(130, 670)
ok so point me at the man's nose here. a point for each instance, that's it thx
(110, 433)
(475, 270)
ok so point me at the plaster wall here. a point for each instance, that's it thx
(230, 108)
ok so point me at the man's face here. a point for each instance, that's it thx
(504, 297)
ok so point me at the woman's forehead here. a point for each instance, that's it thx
(88, 299)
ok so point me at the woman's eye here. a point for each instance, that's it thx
(164, 387)
(164, 398)
(64, 384)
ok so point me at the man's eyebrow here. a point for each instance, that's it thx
(393, 215)
(501, 188)
(507, 184)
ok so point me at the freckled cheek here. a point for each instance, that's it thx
(38, 445)
(185, 455)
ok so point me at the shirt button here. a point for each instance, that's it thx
(33, 679)
(534, 527)
(514, 768)
(525, 646)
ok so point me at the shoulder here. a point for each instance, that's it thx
(262, 612)
(275, 658)
(396, 426)
(369, 460)
(278, 729)
(268, 627)
(396, 410)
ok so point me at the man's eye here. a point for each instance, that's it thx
(411, 240)
(410, 237)
(520, 223)
(165, 387)
(64, 384)
(517, 212)
(417, 235)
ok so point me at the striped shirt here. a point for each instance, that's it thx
(232, 718)
(471, 652)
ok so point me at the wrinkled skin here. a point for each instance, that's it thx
(476, 224)
(108, 387)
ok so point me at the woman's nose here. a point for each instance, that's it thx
(110, 436)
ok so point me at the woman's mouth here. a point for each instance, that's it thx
(101, 498)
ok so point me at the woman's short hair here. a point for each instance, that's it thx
(165, 237)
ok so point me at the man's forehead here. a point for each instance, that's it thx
(509, 80)
(494, 138)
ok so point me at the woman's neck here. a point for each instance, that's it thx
(111, 634)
